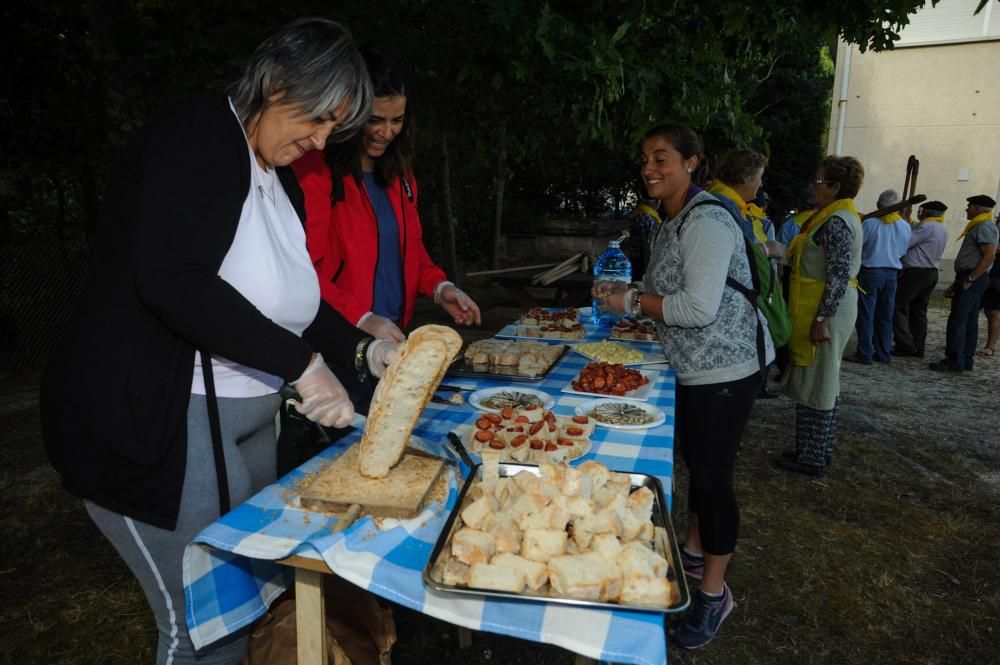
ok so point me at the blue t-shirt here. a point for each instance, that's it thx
(388, 300)
(789, 229)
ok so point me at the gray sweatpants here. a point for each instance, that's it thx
(155, 555)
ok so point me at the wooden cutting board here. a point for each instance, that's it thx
(401, 494)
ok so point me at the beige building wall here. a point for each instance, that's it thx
(939, 102)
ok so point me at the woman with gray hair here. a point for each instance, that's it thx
(158, 405)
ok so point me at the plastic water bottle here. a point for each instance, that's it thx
(611, 265)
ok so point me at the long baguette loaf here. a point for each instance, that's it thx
(401, 395)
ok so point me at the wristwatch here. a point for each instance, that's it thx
(820, 318)
(969, 279)
(635, 307)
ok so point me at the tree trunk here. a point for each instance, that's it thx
(501, 179)
(447, 214)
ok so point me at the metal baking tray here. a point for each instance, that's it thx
(462, 367)
(665, 542)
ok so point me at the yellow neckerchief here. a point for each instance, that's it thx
(757, 220)
(644, 209)
(801, 216)
(891, 218)
(975, 221)
(939, 218)
(747, 210)
(816, 220)
(719, 187)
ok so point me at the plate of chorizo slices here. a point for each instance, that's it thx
(600, 379)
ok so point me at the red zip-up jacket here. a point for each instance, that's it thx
(342, 236)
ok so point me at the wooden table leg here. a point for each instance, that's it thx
(583, 660)
(310, 617)
(464, 638)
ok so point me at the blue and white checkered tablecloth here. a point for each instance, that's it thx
(230, 576)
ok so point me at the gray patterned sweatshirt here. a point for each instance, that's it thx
(709, 330)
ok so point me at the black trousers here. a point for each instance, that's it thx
(909, 321)
(710, 424)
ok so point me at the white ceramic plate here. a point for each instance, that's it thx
(648, 357)
(641, 393)
(584, 409)
(477, 398)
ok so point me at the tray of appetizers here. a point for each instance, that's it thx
(508, 359)
(529, 433)
(583, 536)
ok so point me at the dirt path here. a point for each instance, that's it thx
(905, 405)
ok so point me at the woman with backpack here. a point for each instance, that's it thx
(737, 183)
(362, 226)
(825, 258)
(710, 332)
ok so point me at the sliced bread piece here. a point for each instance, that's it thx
(402, 394)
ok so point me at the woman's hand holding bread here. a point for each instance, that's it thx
(380, 327)
(380, 354)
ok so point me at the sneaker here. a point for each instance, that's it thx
(693, 564)
(704, 618)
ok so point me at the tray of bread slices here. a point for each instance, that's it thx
(582, 535)
(509, 359)
(530, 434)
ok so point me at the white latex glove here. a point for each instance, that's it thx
(615, 302)
(380, 354)
(324, 399)
(380, 327)
(605, 287)
(462, 308)
(774, 249)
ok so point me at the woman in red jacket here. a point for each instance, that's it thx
(362, 227)
(363, 230)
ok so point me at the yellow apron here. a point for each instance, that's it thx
(805, 293)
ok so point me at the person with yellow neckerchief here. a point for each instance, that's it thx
(642, 224)
(736, 183)
(921, 270)
(825, 258)
(884, 241)
(972, 266)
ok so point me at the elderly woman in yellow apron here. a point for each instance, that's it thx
(825, 258)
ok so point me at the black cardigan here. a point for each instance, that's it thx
(115, 393)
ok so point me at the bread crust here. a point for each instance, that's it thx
(402, 393)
